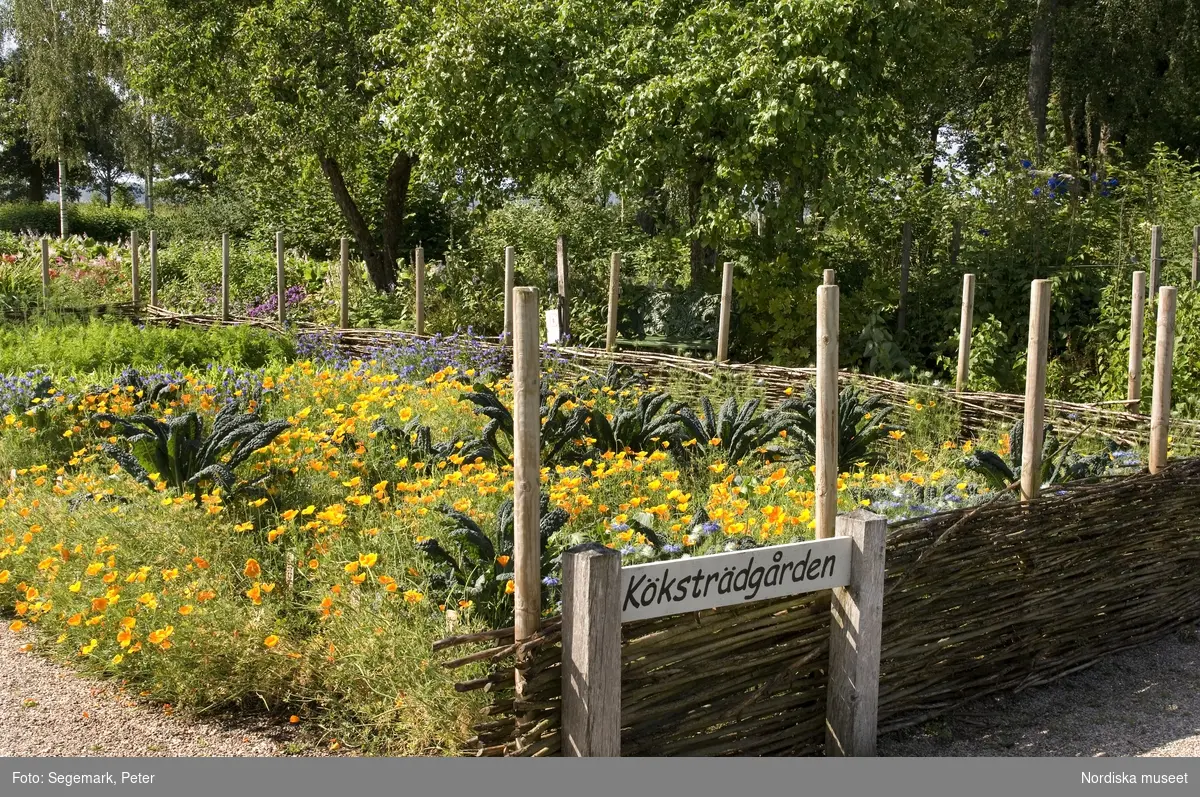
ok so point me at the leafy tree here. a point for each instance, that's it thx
(282, 88)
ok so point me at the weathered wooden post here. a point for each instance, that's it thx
(564, 290)
(344, 315)
(46, 270)
(1195, 255)
(225, 276)
(965, 324)
(153, 269)
(419, 288)
(830, 277)
(1035, 389)
(955, 243)
(855, 640)
(280, 278)
(726, 308)
(591, 657)
(510, 282)
(1164, 353)
(135, 276)
(526, 466)
(614, 298)
(1156, 259)
(1137, 323)
(905, 257)
(827, 410)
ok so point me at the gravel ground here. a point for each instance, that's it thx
(1142, 702)
(49, 710)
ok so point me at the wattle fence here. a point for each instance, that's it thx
(996, 598)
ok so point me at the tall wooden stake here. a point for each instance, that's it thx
(827, 410)
(510, 282)
(965, 324)
(225, 276)
(1137, 323)
(726, 308)
(419, 288)
(905, 257)
(856, 639)
(1195, 254)
(1035, 389)
(614, 298)
(46, 270)
(591, 657)
(134, 265)
(280, 278)
(829, 277)
(526, 466)
(564, 291)
(1156, 259)
(153, 269)
(1164, 353)
(344, 316)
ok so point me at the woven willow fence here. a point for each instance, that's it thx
(976, 409)
(995, 598)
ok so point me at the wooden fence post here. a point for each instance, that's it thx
(1137, 323)
(526, 466)
(905, 257)
(134, 265)
(1195, 254)
(827, 410)
(965, 324)
(856, 639)
(1035, 389)
(419, 288)
(1156, 259)
(564, 291)
(614, 298)
(829, 277)
(344, 315)
(591, 656)
(225, 276)
(510, 282)
(955, 243)
(46, 270)
(1164, 353)
(280, 278)
(726, 308)
(153, 269)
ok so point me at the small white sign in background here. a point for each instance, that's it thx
(726, 579)
(552, 331)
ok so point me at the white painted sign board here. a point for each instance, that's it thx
(552, 331)
(726, 579)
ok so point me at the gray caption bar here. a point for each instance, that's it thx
(596, 777)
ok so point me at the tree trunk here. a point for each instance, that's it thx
(381, 256)
(37, 182)
(1040, 56)
(62, 198)
(905, 254)
(696, 248)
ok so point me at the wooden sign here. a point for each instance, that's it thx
(552, 328)
(726, 579)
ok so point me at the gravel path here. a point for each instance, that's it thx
(49, 710)
(1142, 702)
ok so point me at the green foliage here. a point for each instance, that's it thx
(103, 345)
(1060, 464)
(177, 450)
(862, 426)
(475, 566)
(90, 220)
